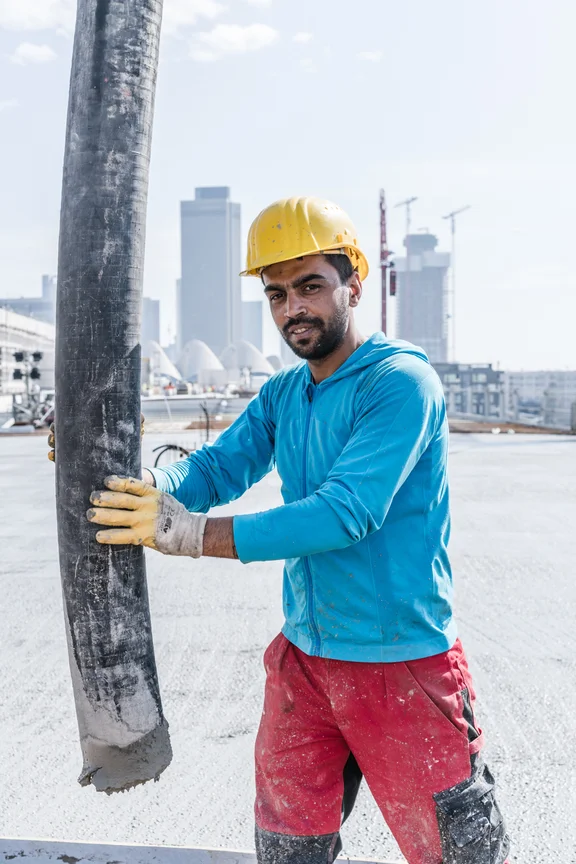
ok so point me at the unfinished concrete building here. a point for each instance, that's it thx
(422, 296)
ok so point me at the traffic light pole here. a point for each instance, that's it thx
(29, 372)
(123, 733)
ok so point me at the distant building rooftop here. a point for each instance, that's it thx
(418, 243)
(212, 192)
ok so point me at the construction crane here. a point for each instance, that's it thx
(408, 205)
(452, 301)
(386, 266)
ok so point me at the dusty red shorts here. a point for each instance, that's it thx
(409, 727)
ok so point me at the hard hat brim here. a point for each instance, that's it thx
(360, 264)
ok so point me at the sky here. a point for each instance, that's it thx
(454, 102)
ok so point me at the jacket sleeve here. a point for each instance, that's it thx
(220, 473)
(393, 428)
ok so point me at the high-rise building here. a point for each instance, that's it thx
(252, 322)
(422, 296)
(150, 320)
(49, 289)
(210, 295)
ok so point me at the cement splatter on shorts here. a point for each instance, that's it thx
(407, 727)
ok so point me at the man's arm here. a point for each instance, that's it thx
(222, 472)
(153, 511)
(134, 513)
(393, 428)
(219, 538)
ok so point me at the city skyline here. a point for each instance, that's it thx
(417, 109)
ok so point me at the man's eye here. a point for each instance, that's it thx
(274, 298)
(309, 288)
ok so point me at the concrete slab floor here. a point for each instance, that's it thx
(513, 548)
(52, 852)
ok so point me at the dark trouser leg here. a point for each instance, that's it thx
(274, 848)
(472, 830)
(352, 781)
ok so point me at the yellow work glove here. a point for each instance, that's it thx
(140, 515)
(52, 444)
(52, 439)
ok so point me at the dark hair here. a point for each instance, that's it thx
(342, 264)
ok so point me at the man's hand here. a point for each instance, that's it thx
(140, 515)
(52, 444)
(52, 439)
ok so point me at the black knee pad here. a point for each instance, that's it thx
(472, 829)
(272, 848)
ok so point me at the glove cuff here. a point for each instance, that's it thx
(178, 531)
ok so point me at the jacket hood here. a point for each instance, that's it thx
(376, 349)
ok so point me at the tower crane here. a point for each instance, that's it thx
(452, 294)
(386, 266)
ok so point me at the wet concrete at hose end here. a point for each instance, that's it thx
(513, 548)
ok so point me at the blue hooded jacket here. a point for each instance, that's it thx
(365, 524)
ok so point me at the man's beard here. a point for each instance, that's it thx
(326, 339)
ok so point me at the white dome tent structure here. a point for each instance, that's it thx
(244, 362)
(276, 362)
(200, 365)
(159, 364)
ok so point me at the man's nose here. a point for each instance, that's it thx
(295, 306)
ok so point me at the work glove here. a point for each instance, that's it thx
(140, 515)
(52, 439)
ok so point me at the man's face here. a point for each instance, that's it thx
(310, 306)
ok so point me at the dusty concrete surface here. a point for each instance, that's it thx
(514, 548)
(46, 852)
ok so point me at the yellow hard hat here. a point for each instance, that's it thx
(296, 227)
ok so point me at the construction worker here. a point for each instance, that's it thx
(367, 677)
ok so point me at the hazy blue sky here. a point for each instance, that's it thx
(455, 102)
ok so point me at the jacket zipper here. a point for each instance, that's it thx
(309, 590)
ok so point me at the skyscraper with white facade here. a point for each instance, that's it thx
(150, 320)
(252, 322)
(210, 296)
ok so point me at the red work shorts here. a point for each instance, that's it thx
(408, 727)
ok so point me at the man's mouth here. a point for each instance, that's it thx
(302, 330)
